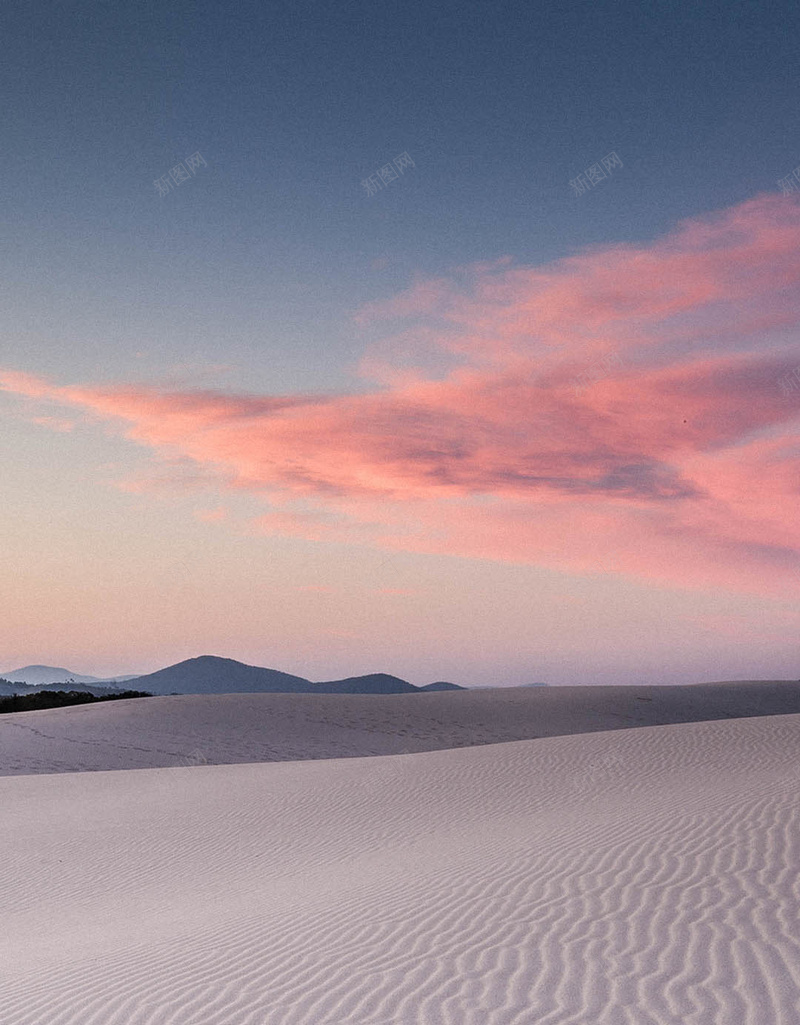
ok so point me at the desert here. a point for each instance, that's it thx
(644, 874)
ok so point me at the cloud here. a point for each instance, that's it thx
(616, 411)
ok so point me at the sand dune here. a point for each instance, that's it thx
(223, 729)
(635, 877)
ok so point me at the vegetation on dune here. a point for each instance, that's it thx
(57, 698)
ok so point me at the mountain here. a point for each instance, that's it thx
(373, 683)
(442, 685)
(36, 676)
(209, 674)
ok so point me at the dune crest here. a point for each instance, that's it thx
(231, 728)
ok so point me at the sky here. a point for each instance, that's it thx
(454, 341)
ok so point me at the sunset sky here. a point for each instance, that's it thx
(469, 423)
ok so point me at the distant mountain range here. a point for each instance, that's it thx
(209, 674)
(40, 676)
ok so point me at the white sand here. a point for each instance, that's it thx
(635, 877)
(221, 729)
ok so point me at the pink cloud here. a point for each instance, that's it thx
(618, 411)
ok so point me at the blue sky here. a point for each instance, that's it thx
(272, 244)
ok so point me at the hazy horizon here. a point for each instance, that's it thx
(420, 682)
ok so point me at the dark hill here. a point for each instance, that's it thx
(442, 685)
(373, 683)
(209, 674)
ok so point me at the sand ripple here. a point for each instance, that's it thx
(639, 877)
